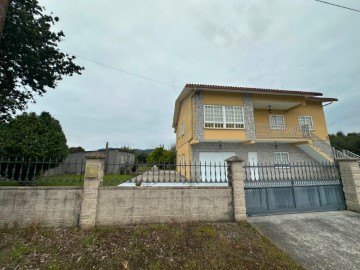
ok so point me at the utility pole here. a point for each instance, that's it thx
(106, 156)
(3, 8)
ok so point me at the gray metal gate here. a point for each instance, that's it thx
(296, 187)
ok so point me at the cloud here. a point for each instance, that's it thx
(277, 44)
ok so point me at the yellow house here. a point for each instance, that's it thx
(214, 122)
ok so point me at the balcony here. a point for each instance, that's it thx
(264, 131)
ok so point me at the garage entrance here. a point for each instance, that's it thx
(213, 165)
(288, 188)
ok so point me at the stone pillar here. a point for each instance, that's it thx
(236, 175)
(94, 172)
(350, 176)
(249, 118)
(199, 116)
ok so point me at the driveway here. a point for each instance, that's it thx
(321, 240)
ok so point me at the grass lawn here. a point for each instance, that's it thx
(71, 180)
(154, 246)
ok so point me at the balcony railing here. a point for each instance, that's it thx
(281, 131)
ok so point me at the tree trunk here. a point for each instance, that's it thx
(3, 8)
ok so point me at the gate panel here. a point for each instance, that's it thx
(293, 188)
(256, 200)
(332, 196)
(280, 199)
(307, 197)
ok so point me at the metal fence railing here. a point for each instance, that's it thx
(291, 171)
(27, 172)
(280, 131)
(164, 173)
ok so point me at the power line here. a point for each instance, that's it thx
(126, 72)
(337, 5)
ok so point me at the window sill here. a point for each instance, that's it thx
(225, 128)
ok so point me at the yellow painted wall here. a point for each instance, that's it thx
(183, 143)
(310, 108)
(186, 117)
(183, 150)
(226, 99)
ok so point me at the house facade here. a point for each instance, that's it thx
(213, 123)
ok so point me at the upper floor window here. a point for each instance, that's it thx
(182, 129)
(231, 117)
(277, 122)
(305, 120)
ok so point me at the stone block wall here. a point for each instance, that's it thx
(350, 176)
(249, 117)
(43, 206)
(132, 205)
(199, 116)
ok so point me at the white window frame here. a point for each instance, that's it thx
(279, 159)
(182, 129)
(223, 124)
(311, 127)
(279, 126)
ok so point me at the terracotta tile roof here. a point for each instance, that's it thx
(251, 89)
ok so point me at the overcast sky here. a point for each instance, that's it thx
(296, 45)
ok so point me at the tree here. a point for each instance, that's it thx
(33, 137)
(30, 60)
(350, 141)
(127, 149)
(161, 155)
(3, 9)
(29, 138)
(76, 149)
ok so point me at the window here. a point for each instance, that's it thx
(182, 129)
(178, 133)
(213, 116)
(230, 117)
(234, 117)
(281, 158)
(183, 160)
(305, 121)
(277, 122)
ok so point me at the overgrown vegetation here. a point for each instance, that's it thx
(154, 246)
(70, 180)
(161, 155)
(350, 141)
(31, 137)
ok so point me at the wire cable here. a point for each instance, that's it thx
(126, 72)
(337, 5)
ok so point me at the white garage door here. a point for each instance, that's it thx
(212, 166)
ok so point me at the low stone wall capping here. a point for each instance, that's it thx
(94, 205)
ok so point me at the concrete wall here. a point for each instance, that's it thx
(44, 206)
(60, 206)
(131, 205)
(75, 162)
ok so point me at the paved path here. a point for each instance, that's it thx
(321, 240)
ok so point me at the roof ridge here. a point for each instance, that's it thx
(255, 89)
